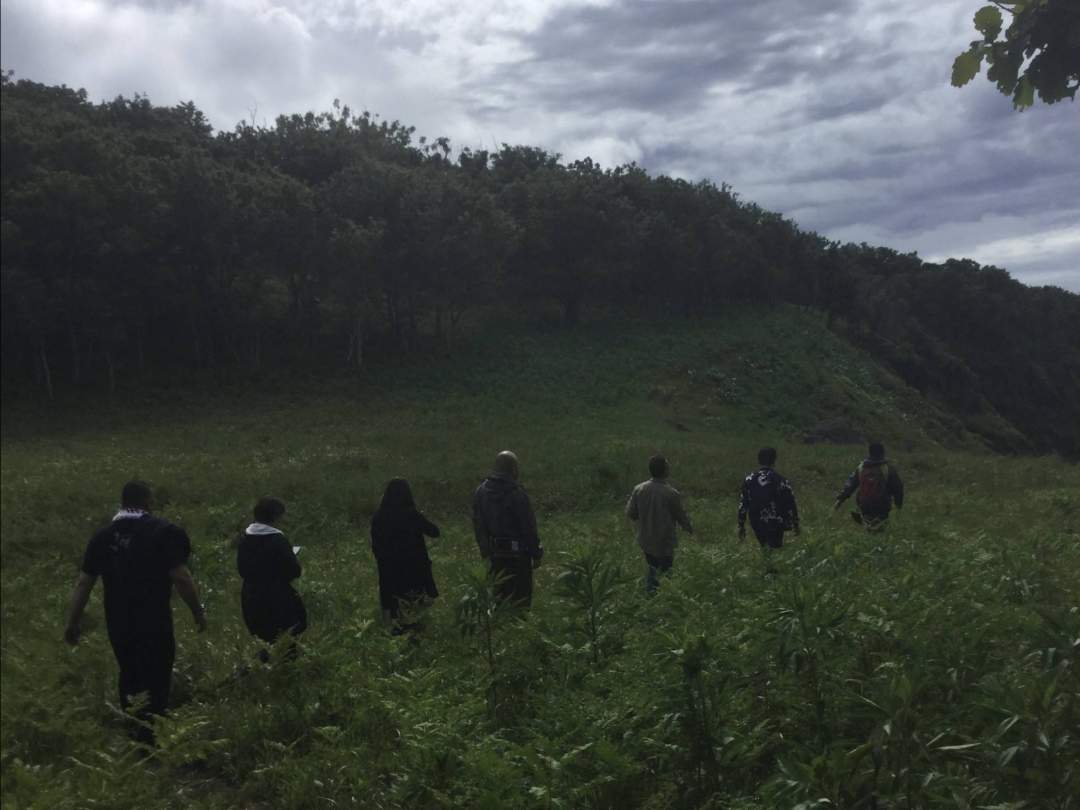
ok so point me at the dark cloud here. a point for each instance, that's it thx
(155, 5)
(841, 120)
(667, 54)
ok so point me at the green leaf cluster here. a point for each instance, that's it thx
(1038, 52)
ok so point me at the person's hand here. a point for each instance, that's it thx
(200, 621)
(71, 634)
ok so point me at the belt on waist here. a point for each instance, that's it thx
(506, 545)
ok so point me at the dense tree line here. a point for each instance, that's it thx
(135, 239)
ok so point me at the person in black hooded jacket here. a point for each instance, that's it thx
(878, 486)
(268, 565)
(397, 541)
(505, 529)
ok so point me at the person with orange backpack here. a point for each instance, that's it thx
(878, 486)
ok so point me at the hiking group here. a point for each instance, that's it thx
(142, 558)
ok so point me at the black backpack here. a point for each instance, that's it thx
(764, 493)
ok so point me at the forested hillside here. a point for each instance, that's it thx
(136, 241)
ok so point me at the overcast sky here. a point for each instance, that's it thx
(837, 113)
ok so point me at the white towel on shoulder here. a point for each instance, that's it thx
(262, 528)
(127, 514)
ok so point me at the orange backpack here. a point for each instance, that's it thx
(873, 484)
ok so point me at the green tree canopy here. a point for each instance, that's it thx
(138, 244)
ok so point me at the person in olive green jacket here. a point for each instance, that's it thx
(656, 507)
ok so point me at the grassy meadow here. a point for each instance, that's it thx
(933, 666)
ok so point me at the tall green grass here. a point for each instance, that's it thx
(933, 666)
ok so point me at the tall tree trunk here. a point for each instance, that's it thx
(358, 356)
(140, 348)
(413, 328)
(111, 368)
(571, 310)
(46, 374)
(392, 317)
(196, 344)
(451, 329)
(211, 345)
(76, 364)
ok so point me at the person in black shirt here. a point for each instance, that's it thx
(268, 565)
(141, 559)
(397, 541)
(769, 501)
(505, 529)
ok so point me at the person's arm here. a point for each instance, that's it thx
(678, 513)
(427, 527)
(744, 506)
(527, 522)
(185, 586)
(897, 487)
(289, 564)
(631, 506)
(793, 507)
(79, 597)
(483, 542)
(376, 539)
(845, 493)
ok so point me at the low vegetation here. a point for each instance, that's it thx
(933, 666)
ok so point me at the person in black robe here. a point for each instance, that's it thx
(268, 565)
(397, 540)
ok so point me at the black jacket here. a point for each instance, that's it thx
(769, 500)
(501, 514)
(269, 603)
